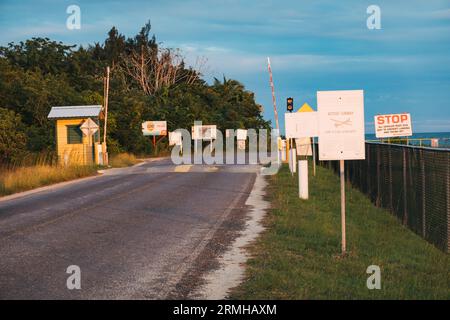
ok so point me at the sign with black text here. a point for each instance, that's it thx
(341, 125)
(393, 125)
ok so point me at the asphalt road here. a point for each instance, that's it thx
(135, 233)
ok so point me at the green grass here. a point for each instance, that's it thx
(298, 256)
(30, 177)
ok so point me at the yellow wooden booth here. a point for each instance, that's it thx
(74, 147)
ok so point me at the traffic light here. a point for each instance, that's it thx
(290, 104)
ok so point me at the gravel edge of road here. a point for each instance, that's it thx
(211, 268)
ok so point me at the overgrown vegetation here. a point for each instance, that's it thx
(26, 178)
(298, 257)
(122, 160)
(148, 82)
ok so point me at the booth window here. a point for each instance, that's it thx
(74, 135)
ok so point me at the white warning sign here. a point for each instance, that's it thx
(393, 125)
(341, 125)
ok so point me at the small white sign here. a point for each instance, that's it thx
(241, 134)
(175, 138)
(301, 124)
(154, 128)
(204, 132)
(303, 146)
(393, 125)
(341, 125)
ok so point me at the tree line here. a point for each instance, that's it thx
(148, 82)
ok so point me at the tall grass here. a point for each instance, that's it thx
(26, 178)
(40, 169)
(122, 160)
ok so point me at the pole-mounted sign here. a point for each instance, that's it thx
(393, 125)
(341, 134)
(89, 127)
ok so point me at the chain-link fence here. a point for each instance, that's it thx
(412, 182)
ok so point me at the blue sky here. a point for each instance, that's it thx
(313, 45)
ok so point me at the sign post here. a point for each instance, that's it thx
(341, 135)
(314, 156)
(241, 135)
(343, 231)
(307, 108)
(154, 128)
(301, 126)
(89, 127)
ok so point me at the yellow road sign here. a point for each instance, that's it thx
(306, 108)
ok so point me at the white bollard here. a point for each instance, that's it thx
(303, 179)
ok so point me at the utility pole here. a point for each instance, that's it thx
(106, 91)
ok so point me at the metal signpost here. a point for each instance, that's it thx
(341, 134)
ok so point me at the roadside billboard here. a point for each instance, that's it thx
(393, 125)
(154, 128)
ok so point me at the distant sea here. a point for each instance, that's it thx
(444, 138)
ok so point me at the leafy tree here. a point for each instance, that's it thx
(40, 73)
(12, 139)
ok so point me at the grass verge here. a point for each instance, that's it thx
(298, 256)
(26, 178)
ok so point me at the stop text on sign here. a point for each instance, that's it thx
(393, 125)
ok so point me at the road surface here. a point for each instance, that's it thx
(135, 233)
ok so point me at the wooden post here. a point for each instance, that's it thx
(314, 156)
(104, 152)
(342, 174)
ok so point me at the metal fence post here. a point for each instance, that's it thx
(422, 171)
(448, 202)
(391, 206)
(405, 202)
(378, 202)
(368, 170)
